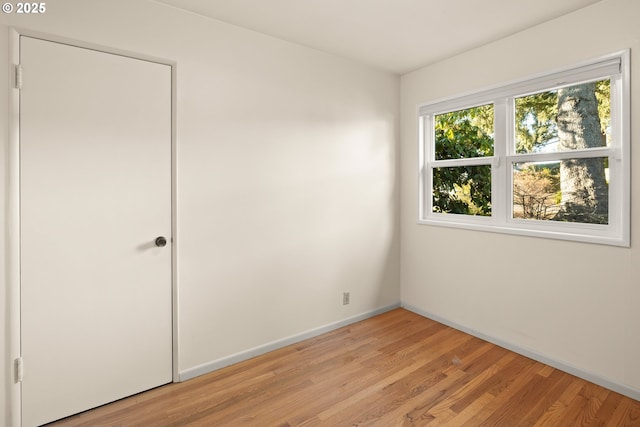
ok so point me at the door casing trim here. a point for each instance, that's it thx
(14, 351)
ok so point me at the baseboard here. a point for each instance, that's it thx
(563, 366)
(274, 345)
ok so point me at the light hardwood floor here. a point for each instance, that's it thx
(391, 370)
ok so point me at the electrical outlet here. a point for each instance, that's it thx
(346, 297)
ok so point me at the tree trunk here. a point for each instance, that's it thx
(582, 181)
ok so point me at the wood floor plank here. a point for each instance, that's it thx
(434, 351)
(478, 385)
(427, 387)
(554, 384)
(470, 411)
(395, 369)
(621, 413)
(422, 409)
(607, 409)
(399, 397)
(595, 397)
(555, 414)
(513, 400)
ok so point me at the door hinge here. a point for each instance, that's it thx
(18, 77)
(19, 369)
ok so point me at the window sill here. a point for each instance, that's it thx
(586, 233)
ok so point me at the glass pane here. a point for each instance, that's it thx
(462, 190)
(571, 118)
(575, 190)
(465, 133)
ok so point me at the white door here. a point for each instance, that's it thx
(95, 193)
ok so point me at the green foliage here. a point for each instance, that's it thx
(469, 134)
(536, 116)
(535, 120)
(462, 190)
(463, 134)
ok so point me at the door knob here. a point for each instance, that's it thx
(161, 242)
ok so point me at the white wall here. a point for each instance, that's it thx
(577, 305)
(287, 176)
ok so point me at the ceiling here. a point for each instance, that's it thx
(394, 35)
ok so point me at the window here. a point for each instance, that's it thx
(546, 157)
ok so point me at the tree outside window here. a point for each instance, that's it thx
(547, 156)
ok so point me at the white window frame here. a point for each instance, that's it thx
(616, 232)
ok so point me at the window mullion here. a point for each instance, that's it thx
(469, 161)
(563, 155)
(500, 179)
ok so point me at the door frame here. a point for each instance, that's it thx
(13, 212)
